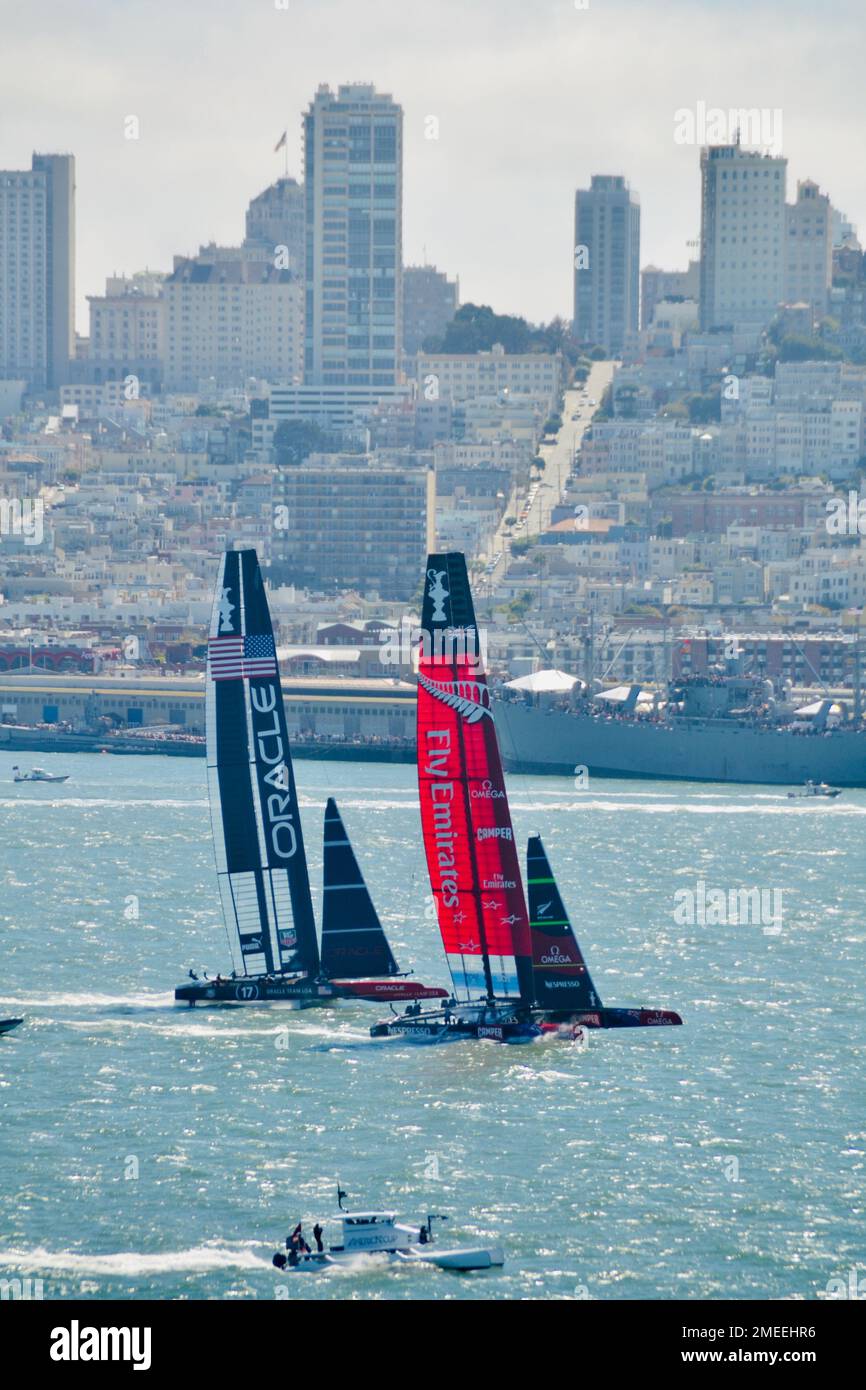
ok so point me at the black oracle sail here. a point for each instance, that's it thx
(353, 941)
(564, 991)
(261, 864)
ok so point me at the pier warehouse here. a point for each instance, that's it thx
(341, 708)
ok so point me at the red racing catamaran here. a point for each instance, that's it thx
(468, 837)
(515, 977)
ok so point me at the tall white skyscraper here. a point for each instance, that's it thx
(606, 262)
(809, 248)
(742, 236)
(353, 179)
(37, 271)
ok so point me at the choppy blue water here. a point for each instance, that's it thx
(723, 1159)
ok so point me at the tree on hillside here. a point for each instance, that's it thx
(796, 347)
(295, 440)
(476, 327)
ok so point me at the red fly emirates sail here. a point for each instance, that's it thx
(468, 836)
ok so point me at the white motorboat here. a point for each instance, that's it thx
(816, 789)
(378, 1234)
(38, 774)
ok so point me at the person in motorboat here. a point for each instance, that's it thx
(297, 1240)
(317, 1237)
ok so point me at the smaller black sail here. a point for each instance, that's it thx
(354, 944)
(562, 980)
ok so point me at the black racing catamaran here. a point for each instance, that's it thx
(261, 863)
(564, 992)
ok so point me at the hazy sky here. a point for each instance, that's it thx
(531, 99)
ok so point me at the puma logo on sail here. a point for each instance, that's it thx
(459, 697)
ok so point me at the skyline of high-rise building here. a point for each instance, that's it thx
(430, 302)
(37, 271)
(127, 330)
(758, 261)
(275, 218)
(606, 262)
(742, 236)
(353, 178)
(809, 248)
(230, 317)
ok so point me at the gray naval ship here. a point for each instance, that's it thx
(716, 728)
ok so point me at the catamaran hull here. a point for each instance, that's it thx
(302, 994)
(552, 1020)
(437, 1030)
(7, 1024)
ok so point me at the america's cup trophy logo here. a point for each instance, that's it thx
(438, 593)
(226, 608)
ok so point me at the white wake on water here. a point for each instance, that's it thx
(674, 808)
(201, 1259)
(90, 1001)
(79, 803)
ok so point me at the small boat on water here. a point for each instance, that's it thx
(811, 789)
(365, 1235)
(261, 862)
(38, 774)
(7, 1024)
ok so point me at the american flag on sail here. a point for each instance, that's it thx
(241, 658)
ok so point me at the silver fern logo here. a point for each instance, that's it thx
(471, 700)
